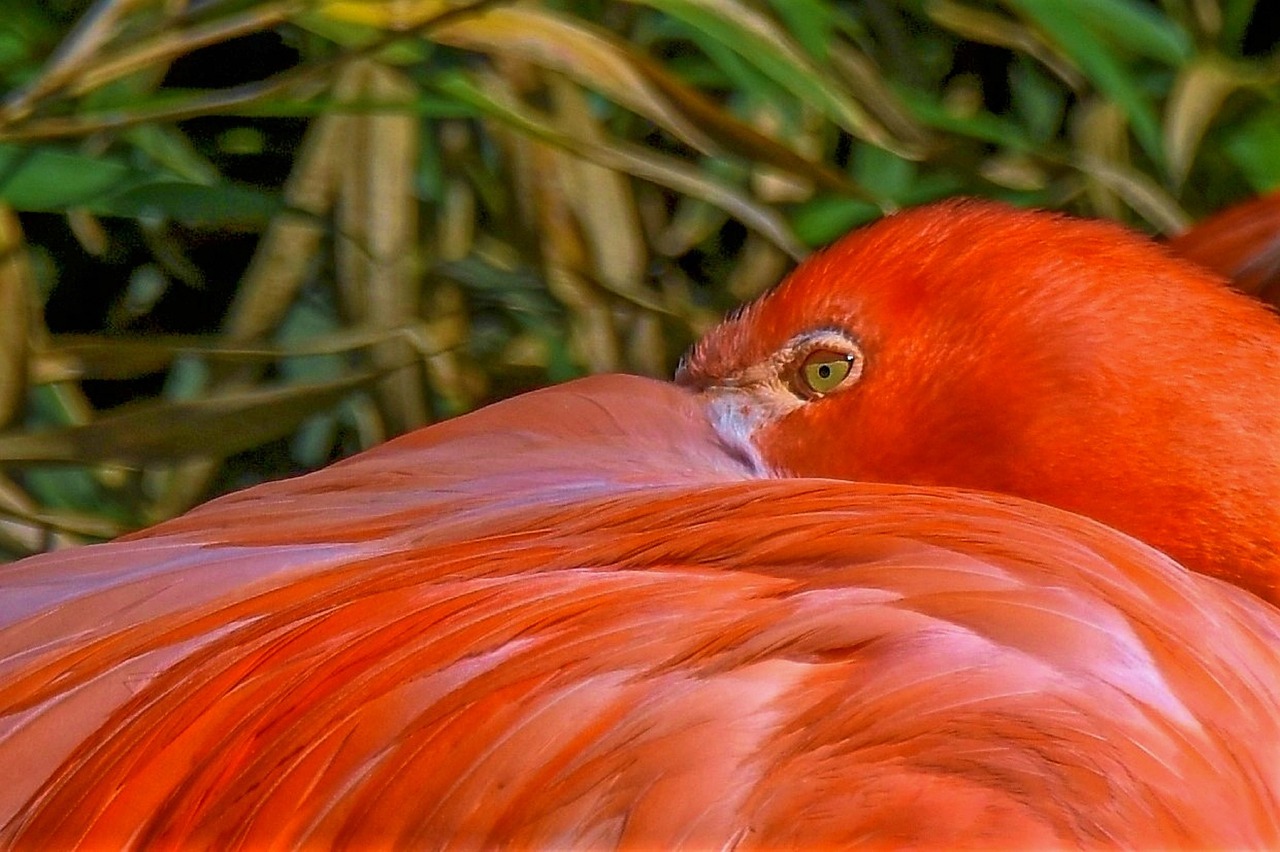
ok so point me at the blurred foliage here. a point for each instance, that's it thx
(244, 238)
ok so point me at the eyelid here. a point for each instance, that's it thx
(835, 339)
(842, 346)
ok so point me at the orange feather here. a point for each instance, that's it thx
(1241, 243)
(1061, 360)
(580, 618)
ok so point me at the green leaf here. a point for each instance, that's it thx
(63, 488)
(767, 46)
(47, 179)
(1036, 100)
(630, 158)
(883, 173)
(13, 53)
(53, 180)
(219, 425)
(310, 320)
(825, 217)
(193, 204)
(1252, 148)
(1059, 23)
(25, 40)
(1136, 27)
(984, 126)
(726, 68)
(71, 489)
(1236, 15)
(173, 152)
(810, 22)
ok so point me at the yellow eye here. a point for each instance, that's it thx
(823, 371)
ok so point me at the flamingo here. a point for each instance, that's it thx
(1066, 361)
(622, 612)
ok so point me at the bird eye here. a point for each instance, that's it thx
(824, 370)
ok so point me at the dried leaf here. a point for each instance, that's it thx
(15, 313)
(736, 136)
(990, 28)
(630, 158)
(35, 526)
(1101, 135)
(172, 42)
(760, 267)
(1198, 93)
(1059, 23)
(590, 55)
(646, 346)
(591, 321)
(280, 263)
(217, 425)
(601, 199)
(74, 357)
(1138, 191)
(873, 90)
(87, 39)
(378, 231)
(765, 43)
(385, 14)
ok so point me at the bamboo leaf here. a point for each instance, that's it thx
(810, 22)
(194, 204)
(1058, 23)
(767, 46)
(1253, 146)
(590, 55)
(218, 425)
(1139, 192)
(1236, 15)
(987, 27)
(983, 126)
(631, 159)
(1197, 95)
(82, 356)
(47, 179)
(1136, 27)
(16, 292)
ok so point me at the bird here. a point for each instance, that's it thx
(1064, 360)
(607, 614)
(1242, 243)
(580, 618)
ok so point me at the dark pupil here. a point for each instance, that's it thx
(824, 372)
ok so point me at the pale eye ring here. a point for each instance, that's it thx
(824, 370)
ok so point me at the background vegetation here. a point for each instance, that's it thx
(240, 239)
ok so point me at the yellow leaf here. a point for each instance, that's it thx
(590, 55)
(15, 314)
(385, 14)
(1197, 95)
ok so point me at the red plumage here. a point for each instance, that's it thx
(1241, 243)
(1066, 361)
(592, 616)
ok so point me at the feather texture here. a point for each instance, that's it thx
(1065, 361)
(579, 618)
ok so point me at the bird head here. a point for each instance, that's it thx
(975, 345)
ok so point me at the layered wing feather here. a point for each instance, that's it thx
(577, 619)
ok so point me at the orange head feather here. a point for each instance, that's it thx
(1067, 361)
